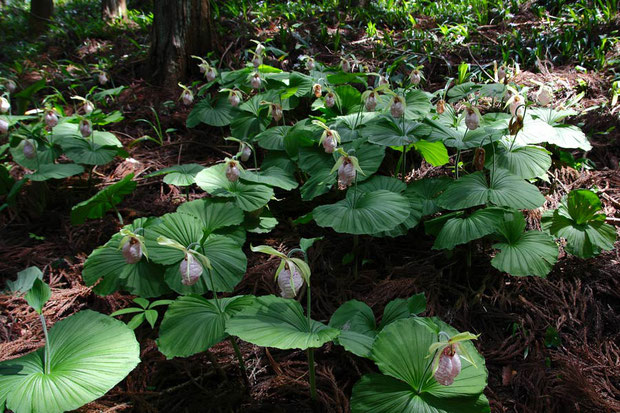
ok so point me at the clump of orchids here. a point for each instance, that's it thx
(206, 69)
(447, 353)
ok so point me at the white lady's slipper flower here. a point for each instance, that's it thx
(211, 74)
(234, 99)
(190, 270)
(330, 142)
(371, 102)
(317, 90)
(472, 118)
(86, 128)
(4, 126)
(310, 64)
(187, 97)
(132, 251)
(276, 112)
(501, 74)
(88, 108)
(544, 96)
(517, 105)
(256, 81)
(345, 65)
(51, 119)
(382, 81)
(330, 100)
(398, 108)
(441, 106)
(10, 86)
(246, 152)
(232, 171)
(346, 173)
(4, 105)
(449, 366)
(30, 152)
(257, 61)
(103, 78)
(415, 77)
(290, 284)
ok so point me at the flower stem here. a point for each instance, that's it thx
(312, 374)
(244, 373)
(47, 345)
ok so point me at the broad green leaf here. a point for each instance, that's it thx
(85, 364)
(505, 189)
(461, 137)
(435, 153)
(526, 162)
(84, 151)
(278, 322)
(418, 104)
(279, 159)
(25, 279)
(457, 231)
(349, 127)
(55, 171)
(248, 197)
(579, 220)
(217, 113)
(214, 214)
(523, 253)
(179, 175)
(423, 194)
(192, 324)
(44, 155)
(357, 326)
(260, 223)
(273, 176)
(65, 133)
(273, 138)
(364, 212)
(543, 125)
(38, 295)
(104, 200)
(400, 308)
(388, 132)
(187, 230)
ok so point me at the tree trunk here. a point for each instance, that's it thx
(40, 15)
(181, 28)
(114, 9)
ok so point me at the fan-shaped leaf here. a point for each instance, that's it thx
(458, 231)
(179, 175)
(102, 201)
(55, 171)
(216, 113)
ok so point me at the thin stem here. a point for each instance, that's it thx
(47, 346)
(356, 241)
(187, 192)
(312, 374)
(425, 371)
(212, 288)
(244, 373)
(456, 163)
(404, 163)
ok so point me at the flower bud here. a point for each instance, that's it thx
(441, 106)
(256, 81)
(472, 120)
(86, 128)
(232, 172)
(317, 90)
(330, 100)
(10, 86)
(190, 270)
(346, 173)
(211, 74)
(4, 105)
(51, 119)
(330, 143)
(30, 152)
(371, 102)
(187, 97)
(544, 96)
(132, 251)
(234, 99)
(415, 77)
(4, 126)
(449, 366)
(103, 78)
(397, 109)
(246, 152)
(284, 282)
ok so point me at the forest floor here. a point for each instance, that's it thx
(531, 367)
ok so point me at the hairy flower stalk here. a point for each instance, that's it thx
(190, 269)
(449, 366)
(132, 250)
(232, 171)
(290, 284)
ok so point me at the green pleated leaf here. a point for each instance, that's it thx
(83, 151)
(179, 175)
(400, 308)
(457, 231)
(44, 155)
(407, 384)
(214, 214)
(543, 126)
(66, 133)
(193, 324)
(248, 197)
(273, 138)
(364, 212)
(357, 326)
(182, 228)
(418, 104)
(579, 220)
(423, 194)
(460, 137)
(25, 279)
(523, 253)
(85, 364)
(434, 153)
(214, 113)
(279, 322)
(144, 278)
(279, 159)
(505, 189)
(104, 200)
(273, 176)
(38, 295)
(389, 132)
(350, 126)
(55, 171)
(526, 162)
(261, 223)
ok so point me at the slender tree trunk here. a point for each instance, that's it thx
(40, 15)
(114, 9)
(181, 28)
